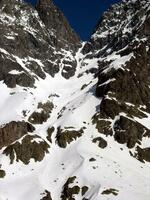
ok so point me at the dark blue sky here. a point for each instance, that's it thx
(82, 15)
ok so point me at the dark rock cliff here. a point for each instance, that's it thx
(56, 23)
(121, 44)
(28, 36)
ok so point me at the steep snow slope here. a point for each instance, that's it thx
(111, 167)
(76, 102)
(80, 138)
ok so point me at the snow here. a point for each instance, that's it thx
(145, 121)
(15, 72)
(11, 101)
(69, 93)
(10, 37)
(107, 82)
(4, 51)
(113, 168)
(118, 62)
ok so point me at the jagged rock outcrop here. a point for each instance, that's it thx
(67, 136)
(142, 154)
(55, 21)
(47, 196)
(26, 34)
(120, 43)
(13, 131)
(129, 132)
(31, 147)
(43, 115)
(69, 191)
(2, 173)
(101, 142)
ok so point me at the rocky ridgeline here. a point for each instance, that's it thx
(120, 43)
(30, 48)
(57, 25)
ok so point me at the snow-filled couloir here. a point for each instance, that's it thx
(75, 116)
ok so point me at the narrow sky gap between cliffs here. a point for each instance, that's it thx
(82, 14)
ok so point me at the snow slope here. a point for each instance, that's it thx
(109, 173)
(113, 166)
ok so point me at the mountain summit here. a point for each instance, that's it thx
(75, 117)
(56, 22)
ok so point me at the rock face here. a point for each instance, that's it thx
(14, 131)
(65, 137)
(75, 122)
(143, 154)
(41, 117)
(2, 173)
(101, 142)
(129, 132)
(27, 149)
(47, 196)
(121, 45)
(54, 20)
(26, 35)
